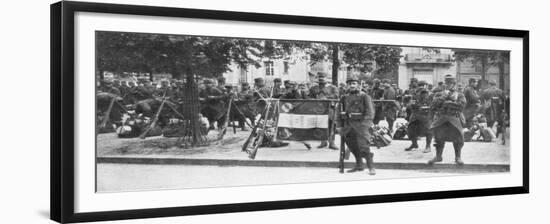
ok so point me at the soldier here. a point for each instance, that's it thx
(277, 90)
(390, 109)
(493, 100)
(246, 105)
(221, 84)
(447, 121)
(107, 87)
(287, 84)
(325, 91)
(260, 89)
(377, 93)
(213, 106)
(473, 102)
(419, 120)
(164, 90)
(356, 119)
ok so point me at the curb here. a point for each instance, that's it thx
(282, 163)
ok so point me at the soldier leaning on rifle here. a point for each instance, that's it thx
(448, 119)
(325, 91)
(356, 120)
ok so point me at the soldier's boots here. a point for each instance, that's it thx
(370, 163)
(323, 144)
(427, 149)
(438, 155)
(333, 146)
(414, 145)
(358, 165)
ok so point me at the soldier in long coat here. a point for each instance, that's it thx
(390, 109)
(448, 120)
(493, 103)
(473, 101)
(324, 91)
(419, 120)
(213, 106)
(356, 119)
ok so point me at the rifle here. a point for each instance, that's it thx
(226, 122)
(107, 113)
(340, 107)
(154, 122)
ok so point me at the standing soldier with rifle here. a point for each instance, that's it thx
(356, 119)
(325, 91)
(448, 119)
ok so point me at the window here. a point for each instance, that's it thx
(269, 70)
(286, 67)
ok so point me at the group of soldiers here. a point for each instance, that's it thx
(443, 113)
(439, 112)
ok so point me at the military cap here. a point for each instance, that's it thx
(276, 80)
(414, 80)
(492, 82)
(422, 82)
(322, 74)
(286, 81)
(245, 84)
(228, 86)
(352, 78)
(208, 81)
(258, 80)
(292, 82)
(450, 78)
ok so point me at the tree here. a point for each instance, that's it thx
(485, 58)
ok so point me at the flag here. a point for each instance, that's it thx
(303, 119)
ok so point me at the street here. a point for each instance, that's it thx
(131, 177)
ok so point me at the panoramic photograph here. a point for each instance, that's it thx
(187, 112)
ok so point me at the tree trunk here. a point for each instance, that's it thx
(484, 67)
(335, 63)
(501, 80)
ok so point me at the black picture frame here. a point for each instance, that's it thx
(62, 113)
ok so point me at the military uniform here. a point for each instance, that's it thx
(472, 104)
(356, 120)
(325, 91)
(493, 101)
(448, 120)
(212, 107)
(420, 120)
(377, 93)
(390, 109)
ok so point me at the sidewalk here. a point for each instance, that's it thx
(478, 156)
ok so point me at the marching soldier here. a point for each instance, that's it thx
(325, 91)
(472, 101)
(447, 122)
(356, 119)
(419, 120)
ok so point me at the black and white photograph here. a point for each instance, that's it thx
(176, 111)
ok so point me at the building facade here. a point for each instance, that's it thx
(425, 64)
